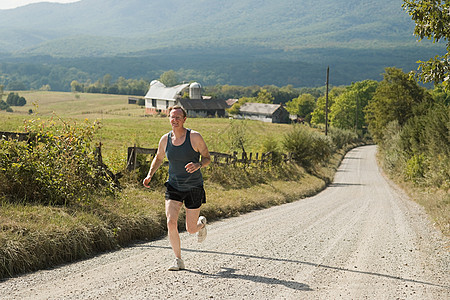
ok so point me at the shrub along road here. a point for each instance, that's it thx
(360, 238)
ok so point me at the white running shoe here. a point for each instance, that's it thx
(201, 234)
(177, 265)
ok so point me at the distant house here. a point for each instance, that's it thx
(159, 98)
(273, 113)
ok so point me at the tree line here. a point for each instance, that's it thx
(105, 86)
(122, 86)
(305, 69)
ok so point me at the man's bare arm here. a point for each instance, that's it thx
(157, 160)
(199, 145)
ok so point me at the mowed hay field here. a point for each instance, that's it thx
(125, 125)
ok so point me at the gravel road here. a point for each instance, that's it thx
(361, 238)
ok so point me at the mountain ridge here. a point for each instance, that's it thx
(242, 42)
(287, 24)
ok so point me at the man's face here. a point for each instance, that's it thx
(176, 118)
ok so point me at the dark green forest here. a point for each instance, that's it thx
(110, 27)
(209, 68)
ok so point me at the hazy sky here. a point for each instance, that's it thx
(6, 4)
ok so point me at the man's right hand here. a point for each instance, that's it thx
(146, 181)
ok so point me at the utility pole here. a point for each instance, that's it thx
(356, 115)
(326, 102)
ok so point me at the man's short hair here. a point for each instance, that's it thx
(178, 107)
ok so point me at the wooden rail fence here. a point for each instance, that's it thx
(133, 152)
(216, 157)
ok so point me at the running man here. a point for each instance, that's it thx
(183, 148)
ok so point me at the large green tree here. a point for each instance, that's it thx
(347, 111)
(432, 18)
(397, 98)
(302, 106)
(264, 96)
(169, 78)
(318, 115)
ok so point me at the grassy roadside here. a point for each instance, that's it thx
(34, 237)
(436, 202)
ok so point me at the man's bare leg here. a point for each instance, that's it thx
(192, 224)
(172, 212)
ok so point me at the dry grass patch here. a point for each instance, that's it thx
(33, 237)
(436, 203)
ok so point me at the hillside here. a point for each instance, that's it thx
(244, 42)
(135, 25)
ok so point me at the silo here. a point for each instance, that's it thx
(195, 91)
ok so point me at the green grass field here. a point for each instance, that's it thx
(125, 125)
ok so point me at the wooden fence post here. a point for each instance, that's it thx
(131, 158)
(244, 157)
(99, 154)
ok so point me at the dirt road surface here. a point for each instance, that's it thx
(361, 238)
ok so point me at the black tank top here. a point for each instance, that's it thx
(179, 157)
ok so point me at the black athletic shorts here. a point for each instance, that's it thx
(192, 199)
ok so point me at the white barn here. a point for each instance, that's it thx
(159, 97)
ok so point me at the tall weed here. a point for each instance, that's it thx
(307, 147)
(240, 175)
(271, 146)
(57, 166)
(342, 137)
(238, 135)
(392, 154)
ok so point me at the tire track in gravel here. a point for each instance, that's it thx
(361, 238)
